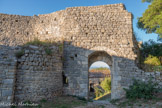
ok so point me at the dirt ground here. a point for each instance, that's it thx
(75, 102)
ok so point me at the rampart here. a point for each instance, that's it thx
(89, 34)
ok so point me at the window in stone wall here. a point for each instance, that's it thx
(75, 55)
(65, 80)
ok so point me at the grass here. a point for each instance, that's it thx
(40, 43)
(123, 103)
(20, 53)
(64, 102)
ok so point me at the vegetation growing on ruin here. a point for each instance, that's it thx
(151, 18)
(151, 56)
(141, 89)
(38, 42)
(106, 88)
(19, 53)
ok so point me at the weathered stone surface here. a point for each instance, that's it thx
(94, 33)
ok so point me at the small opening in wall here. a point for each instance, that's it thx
(92, 87)
(75, 55)
(41, 21)
(86, 33)
(65, 80)
(55, 19)
(99, 82)
(128, 43)
(46, 32)
(72, 58)
(3, 19)
(27, 22)
(17, 32)
(37, 33)
(16, 20)
(27, 33)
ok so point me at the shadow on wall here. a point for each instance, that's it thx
(36, 75)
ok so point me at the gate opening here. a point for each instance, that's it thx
(99, 80)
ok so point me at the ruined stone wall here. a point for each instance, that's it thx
(124, 71)
(17, 30)
(85, 30)
(39, 73)
(7, 73)
(98, 28)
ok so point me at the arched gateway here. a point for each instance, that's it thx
(88, 33)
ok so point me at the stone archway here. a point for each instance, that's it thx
(100, 56)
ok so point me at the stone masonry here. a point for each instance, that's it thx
(89, 34)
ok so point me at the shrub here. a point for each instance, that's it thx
(20, 53)
(106, 84)
(36, 41)
(141, 89)
(48, 51)
(98, 92)
(152, 60)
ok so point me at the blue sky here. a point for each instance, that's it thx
(99, 64)
(31, 7)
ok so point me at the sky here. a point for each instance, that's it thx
(35, 7)
(99, 64)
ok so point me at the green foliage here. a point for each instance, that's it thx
(98, 92)
(106, 87)
(20, 53)
(141, 89)
(152, 60)
(37, 42)
(151, 21)
(61, 47)
(106, 84)
(43, 100)
(152, 48)
(157, 68)
(101, 68)
(48, 51)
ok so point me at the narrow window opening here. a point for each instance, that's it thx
(17, 32)
(55, 19)
(27, 33)
(3, 19)
(75, 55)
(65, 80)
(41, 21)
(46, 32)
(92, 87)
(16, 20)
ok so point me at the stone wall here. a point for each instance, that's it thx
(17, 30)
(39, 73)
(105, 28)
(124, 70)
(84, 30)
(7, 73)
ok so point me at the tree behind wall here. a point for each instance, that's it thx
(151, 20)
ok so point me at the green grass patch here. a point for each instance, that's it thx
(20, 53)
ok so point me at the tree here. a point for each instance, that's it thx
(151, 20)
